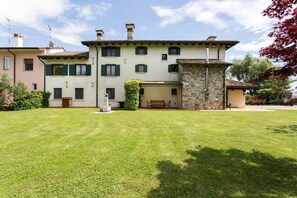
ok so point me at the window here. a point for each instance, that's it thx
(174, 51)
(141, 50)
(110, 92)
(57, 70)
(173, 68)
(57, 93)
(111, 51)
(5, 62)
(79, 93)
(174, 92)
(34, 86)
(80, 69)
(164, 56)
(141, 68)
(141, 91)
(28, 64)
(110, 70)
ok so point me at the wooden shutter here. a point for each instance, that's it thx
(88, 70)
(49, 70)
(117, 51)
(117, 70)
(136, 50)
(169, 68)
(145, 50)
(65, 70)
(103, 70)
(136, 68)
(72, 70)
(145, 68)
(104, 51)
(178, 50)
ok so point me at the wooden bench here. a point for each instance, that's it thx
(157, 103)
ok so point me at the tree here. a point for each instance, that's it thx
(5, 91)
(249, 68)
(284, 47)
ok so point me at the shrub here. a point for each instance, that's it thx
(5, 91)
(45, 98)
(132, 94)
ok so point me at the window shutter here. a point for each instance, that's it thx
(65, 70)
(178, 50)
(169, 50)
(136, 50)
(145, 50)
(103, 70)
(117, 70)
(49, 70)
(104, 51)
(169, 68)
(145, 68)
(88, 70)
(136, 68)
(72, 70)
(118, 51)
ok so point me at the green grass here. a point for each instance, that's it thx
(78, 153)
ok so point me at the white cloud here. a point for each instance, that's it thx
(219, 13)
(67, 19)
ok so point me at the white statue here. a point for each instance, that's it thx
(106, 107)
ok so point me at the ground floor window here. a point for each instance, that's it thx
(57, 93)
(79, 93)
(34, 86)
(174, 91)
(111, 93)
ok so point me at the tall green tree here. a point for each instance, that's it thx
(5, 91)
(249, 68)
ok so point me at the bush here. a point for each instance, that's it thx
(132, 94)
(45, 98)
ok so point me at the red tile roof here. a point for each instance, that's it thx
(233, 84)
(202, 62)
(66, 55)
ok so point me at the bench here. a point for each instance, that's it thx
(157, 103)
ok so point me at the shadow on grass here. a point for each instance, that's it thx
(287, 129)
(227, 173)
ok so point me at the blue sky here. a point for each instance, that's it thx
(73, 21)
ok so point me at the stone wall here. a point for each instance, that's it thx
(195, 96)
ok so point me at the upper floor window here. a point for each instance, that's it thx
(110, 70)
(140, 68)
(141, 50)
(80, 70)
(164, 56)
(28, 64)
(111, 51)
(174, 51)
(57, 69)
(5, 62)
(173, 68)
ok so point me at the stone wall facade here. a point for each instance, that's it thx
(197, 94)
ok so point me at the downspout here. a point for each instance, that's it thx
(44, 73)
(14, 66)
(224, 89)
(206, 74)
(97, 65)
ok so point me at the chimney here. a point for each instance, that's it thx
(100, 35)
(130, 29)
(18, 39)
(211, 38)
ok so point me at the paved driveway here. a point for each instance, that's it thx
(272, 107)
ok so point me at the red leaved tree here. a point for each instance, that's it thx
(284, 47)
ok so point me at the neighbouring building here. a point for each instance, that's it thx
(186, 74)
(22, 63)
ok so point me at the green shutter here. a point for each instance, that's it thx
(145, 50)
(117, 51)
(145, 68)
(169, 68)
(88, 70)
(136, 51)
(65, 70)
(117, 70)
(104, 51)
(103, 70)
(136, 68)
(178, 50)
(72, 70)
(49, 70)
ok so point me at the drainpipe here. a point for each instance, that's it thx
(206, 74)
(44, 73)
(14, 66)
(219, 52)
(97, 65)
(224, 89)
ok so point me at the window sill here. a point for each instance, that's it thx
(141, 72)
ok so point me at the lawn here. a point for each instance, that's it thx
(78, 153)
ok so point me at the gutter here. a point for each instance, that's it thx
(14, 66)
(97, 65)
(44, 73)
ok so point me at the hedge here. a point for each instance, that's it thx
(132, 94)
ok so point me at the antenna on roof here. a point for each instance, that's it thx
(8, 30)
(50, 44)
